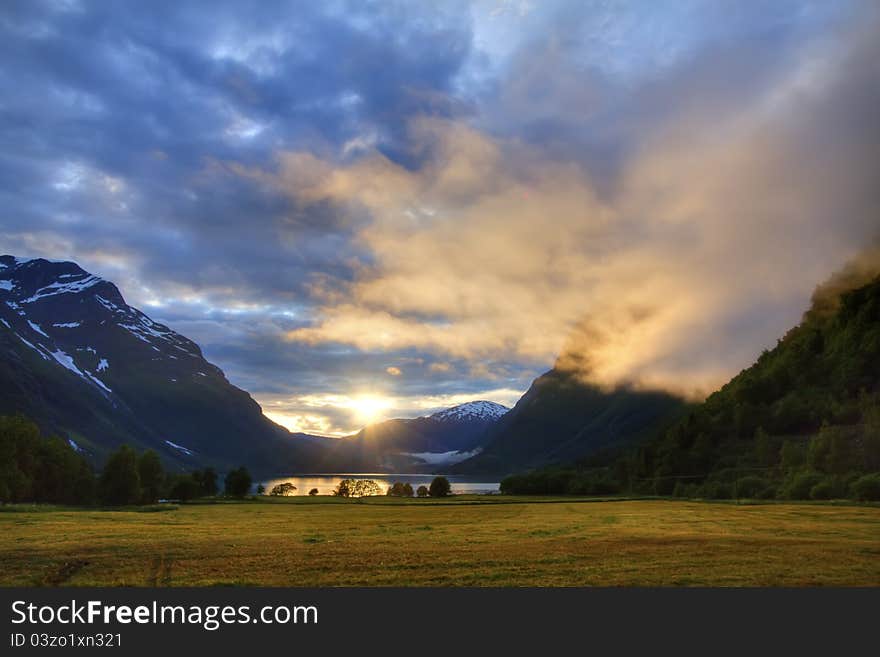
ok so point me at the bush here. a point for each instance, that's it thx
(867, 488)
(439, 487)
(750, 487)
(769, 493)
(593, 484)
(313, 492)
(685, 490)
(822, 491)
(183, 488)
(798, 486)
(422, 491)
(716, 490)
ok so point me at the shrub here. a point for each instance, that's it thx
(867, 488)
(439, 487)
(183, 488)
(750, 486)
(822, 491)
(313, 492)
(422, 491)
(685, 490)
(769, 493)
(798, 486)
(716, 490)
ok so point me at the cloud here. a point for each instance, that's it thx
(318, 193)
(722, 222)
(393, 371)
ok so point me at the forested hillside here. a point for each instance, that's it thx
(802, 422)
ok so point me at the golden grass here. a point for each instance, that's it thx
(514, 543)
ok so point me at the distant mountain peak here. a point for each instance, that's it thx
(471, 411)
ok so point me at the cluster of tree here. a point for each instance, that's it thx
(440, 487)
(50, 470)
(357, 488)
(283, 489)
(400, 489)
(34, 469)
(802, 423)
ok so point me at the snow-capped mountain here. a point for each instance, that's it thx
(475, 411)
(81, 362)
(424, 443)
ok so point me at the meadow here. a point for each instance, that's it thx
(459, 541)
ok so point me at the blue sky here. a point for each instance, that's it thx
(381, 208)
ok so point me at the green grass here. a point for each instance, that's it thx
(460, 541)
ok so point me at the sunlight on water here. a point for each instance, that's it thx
(326, 483)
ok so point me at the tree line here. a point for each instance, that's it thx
(50, 470)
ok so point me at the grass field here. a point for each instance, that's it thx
(470, 542)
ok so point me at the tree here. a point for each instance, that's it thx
(422, 491)
(765, 455)
(399, 489)
(440, 487)
(238, 482)
(313, 492)
(261, 489)
(357, 488)
(283, 490)
(120, 481)
(151, 476)
(791, 456)
(207, 481)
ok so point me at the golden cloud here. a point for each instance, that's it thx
(719, 227)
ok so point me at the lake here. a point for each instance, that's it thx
(326, 483)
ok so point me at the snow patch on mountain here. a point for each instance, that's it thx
(38, 329)
(74, 287)
(476, 410)
(180, 448)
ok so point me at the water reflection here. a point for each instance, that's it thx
(326, 483)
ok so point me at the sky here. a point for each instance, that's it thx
(378, 209)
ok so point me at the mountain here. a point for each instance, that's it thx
(83, 364)
(439, 439)
(802, 422)
(561, 418)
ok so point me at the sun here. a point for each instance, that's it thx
(369, 408)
